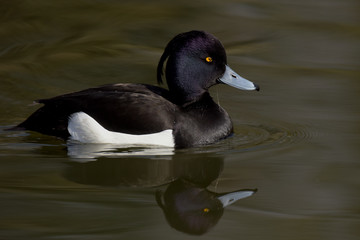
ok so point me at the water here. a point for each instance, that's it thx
(296, 141)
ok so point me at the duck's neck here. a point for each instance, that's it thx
(201, 101)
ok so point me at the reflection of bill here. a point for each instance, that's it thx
(193, 209)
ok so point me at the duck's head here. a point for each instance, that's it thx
(197, 61)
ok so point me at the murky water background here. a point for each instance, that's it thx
(297, 140)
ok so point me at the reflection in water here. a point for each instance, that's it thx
(131, 172)
(187, 204)
(192, 209)
(86, 152)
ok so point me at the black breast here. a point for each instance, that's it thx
(201, 123)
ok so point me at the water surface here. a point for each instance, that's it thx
(296, 141)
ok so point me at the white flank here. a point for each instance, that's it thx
(84, 128)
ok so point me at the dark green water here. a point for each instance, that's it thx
(297, 140)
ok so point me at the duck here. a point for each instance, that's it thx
(133, 114)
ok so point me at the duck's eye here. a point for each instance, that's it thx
(209, 59)
(206, 210)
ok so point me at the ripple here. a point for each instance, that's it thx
(247, 137)
(255, 136)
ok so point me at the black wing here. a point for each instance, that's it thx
(127, 108)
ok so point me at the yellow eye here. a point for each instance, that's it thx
(206, 210)
(209, 59)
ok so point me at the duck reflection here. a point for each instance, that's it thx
(130, 172)
(87, 152)
(181, 184)
(194, 210)
(187, 203)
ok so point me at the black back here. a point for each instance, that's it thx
(122, 108)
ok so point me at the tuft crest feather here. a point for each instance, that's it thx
(172, 47)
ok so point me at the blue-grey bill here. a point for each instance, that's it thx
(229, 198)
(233, 79)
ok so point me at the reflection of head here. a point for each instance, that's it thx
(190, 209)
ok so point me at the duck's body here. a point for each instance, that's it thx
(183, 116)
(135, 109)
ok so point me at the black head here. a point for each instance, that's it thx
(196, 60)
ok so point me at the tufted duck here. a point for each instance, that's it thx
(141, 114)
